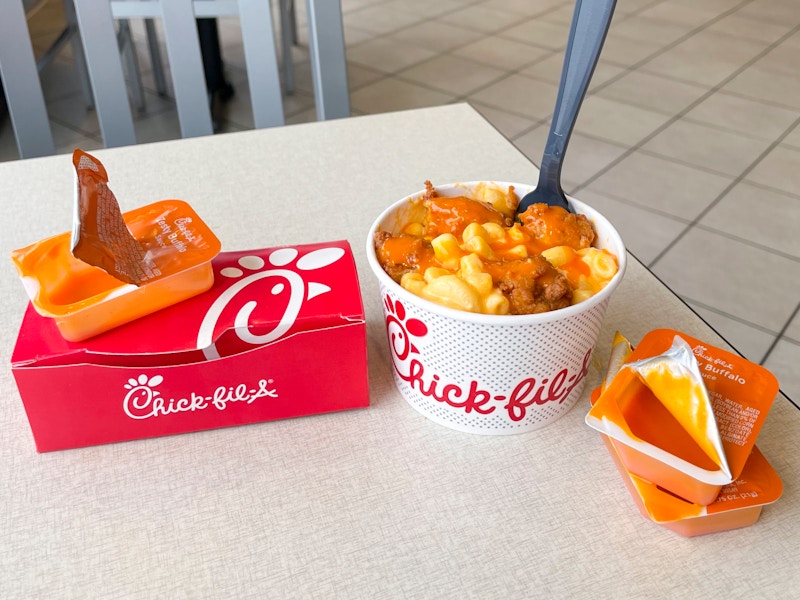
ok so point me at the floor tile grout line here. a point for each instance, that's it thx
(485, 35)
(732, 317)
(724, 129)
(415, 24)
(688, 35)
(686, 163)
(670, 78)
(718, 86)
(664, 157)
(685, 301)
(403, 28)
(746, 242)
(709, 92)
(466, 96)
(781, 334)
(686, 222)
(519, 71)
(778, 191)
(682, 113)
(636, 66)
(722, 194)
(744, 96)
(654, 211)
(97, 136)
(508, 73)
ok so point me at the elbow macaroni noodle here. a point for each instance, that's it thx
(462, 283)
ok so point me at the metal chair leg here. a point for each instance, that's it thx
(131, 61)
(155, 57)
(77, 53)
(288, 38)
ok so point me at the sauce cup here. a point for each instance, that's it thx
(85, 301)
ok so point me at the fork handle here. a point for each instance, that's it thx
(590, 23)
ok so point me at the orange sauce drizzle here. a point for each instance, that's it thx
(452, 215)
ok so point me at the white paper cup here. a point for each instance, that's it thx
(490, 374)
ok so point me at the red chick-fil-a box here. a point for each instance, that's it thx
(280, 334)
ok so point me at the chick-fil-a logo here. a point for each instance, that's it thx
(472, 397)
(143, 400)
(299, 291)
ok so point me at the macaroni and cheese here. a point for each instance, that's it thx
(470, 254)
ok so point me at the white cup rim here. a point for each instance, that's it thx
(614, 243)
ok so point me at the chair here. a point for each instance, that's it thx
(105, 83)
(96, 24)
(68, 34)
(21, 84)
(20, 70)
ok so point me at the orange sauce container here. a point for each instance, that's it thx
(690, 437)
(738, 504)
(85, 300)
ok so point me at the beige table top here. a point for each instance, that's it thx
(374, 503)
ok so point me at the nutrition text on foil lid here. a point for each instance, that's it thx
(734, 420)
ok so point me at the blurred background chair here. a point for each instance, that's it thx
(19, 74)
(107, 62)
(179, 22)
(178, 18)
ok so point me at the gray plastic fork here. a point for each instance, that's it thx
(590, 23)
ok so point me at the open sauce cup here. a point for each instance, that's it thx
(113, 268)
(85, 300)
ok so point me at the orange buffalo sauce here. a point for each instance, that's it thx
(452, 215)
(684, 397)
(516, 236)
(645, 417)
(577, 268)
(544, 262)
(60, 279)
(659, 412)
(85, 300)
(554, 226)
(407, 249)
(739, 504)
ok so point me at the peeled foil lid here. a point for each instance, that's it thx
(100, 236)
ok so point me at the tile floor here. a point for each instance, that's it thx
(689, 139)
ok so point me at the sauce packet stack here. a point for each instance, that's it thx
(681, 419)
